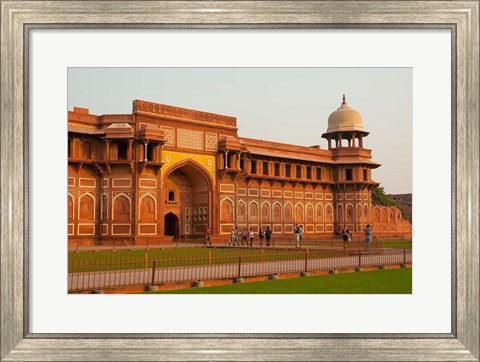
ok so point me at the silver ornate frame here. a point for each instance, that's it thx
(462, 17)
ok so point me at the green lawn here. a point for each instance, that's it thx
(389, 281)
(397, 244)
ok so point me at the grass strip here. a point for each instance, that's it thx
(388, 281)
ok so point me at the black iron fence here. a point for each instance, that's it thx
(90, 274)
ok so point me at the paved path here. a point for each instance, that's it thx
(117, 278)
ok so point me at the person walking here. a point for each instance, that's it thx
(301, 234)
(234, 237)
(251, 234)
(268, 235)
(297, 232)
(261, 234)
(206, 234)
(346, 237)
(244, 236)
(368, 237)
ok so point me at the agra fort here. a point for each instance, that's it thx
(164, 172)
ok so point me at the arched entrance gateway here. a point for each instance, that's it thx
(171, 225)
(187, 195)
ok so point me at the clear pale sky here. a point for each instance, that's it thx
(288, 105)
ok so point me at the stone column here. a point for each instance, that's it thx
(145, 157)
(130, 153)
(107, 149)
(221, 160)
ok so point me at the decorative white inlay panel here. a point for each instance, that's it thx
(169, 135)
(211, 141)
(187, 138)
(298, 195)
(265, 193)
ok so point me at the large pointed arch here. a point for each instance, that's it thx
(189, 162)
(203, 182)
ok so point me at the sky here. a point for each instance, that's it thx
(289, 105)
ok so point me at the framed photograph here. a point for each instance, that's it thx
(183, 65)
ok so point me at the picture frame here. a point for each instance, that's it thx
(18, 17)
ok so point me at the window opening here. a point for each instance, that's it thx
(288, 170)
(265, 168)
(277, 169)
(299, 171)
(87, 150)
(122, 150)
(151, 152)
(253, 167)
(349, 174)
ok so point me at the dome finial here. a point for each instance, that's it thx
(343, 100)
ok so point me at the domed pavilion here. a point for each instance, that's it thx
(345, 124)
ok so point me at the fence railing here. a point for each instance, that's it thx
(90, 274)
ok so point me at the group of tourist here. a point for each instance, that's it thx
(347, 237)
(246, 238)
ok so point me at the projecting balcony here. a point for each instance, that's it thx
(233, 172)
(106, 165)
(155, 165)
(356, 184)
(79, 162)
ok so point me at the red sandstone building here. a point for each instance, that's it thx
(166, 172)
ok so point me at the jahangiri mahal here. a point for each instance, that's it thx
(164, 172)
